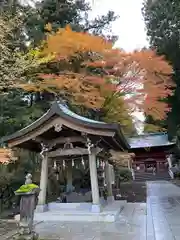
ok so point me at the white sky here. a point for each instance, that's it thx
(130, 26)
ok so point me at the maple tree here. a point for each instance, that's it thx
(145, 77)
(73, 79)
(86, 69)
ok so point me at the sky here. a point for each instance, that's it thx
(130, 26)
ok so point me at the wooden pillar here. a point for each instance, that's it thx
(169, 159)
(69, 186)
(94, 182)
(43, 185)
(158, 167)
(108, 173)
(129, 163)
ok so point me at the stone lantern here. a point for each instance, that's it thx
(29, 198)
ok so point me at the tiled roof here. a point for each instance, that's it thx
(78, 117)
(151, 140)
(60, 110)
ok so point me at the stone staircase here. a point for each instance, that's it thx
(145, 176)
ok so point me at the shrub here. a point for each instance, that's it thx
(125, 174)
(177, 175)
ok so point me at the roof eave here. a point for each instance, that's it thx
(55, 110)
(29, 128)
(121, 137)
(165, 145)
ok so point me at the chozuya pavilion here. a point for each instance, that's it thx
(60, 136)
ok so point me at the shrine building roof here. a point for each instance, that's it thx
(109, 135)
(150, 140)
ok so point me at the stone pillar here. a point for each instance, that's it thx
(69, 186)
(42, 207)
(94, 182)
(27, 207)
(108, 173)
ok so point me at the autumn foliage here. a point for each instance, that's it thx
(88, 69)
(6, 155)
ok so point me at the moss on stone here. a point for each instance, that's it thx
(27, 188)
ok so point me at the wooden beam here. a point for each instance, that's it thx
(60, 140)
(71, 152)
(118, 144)
(72, 139)
(68, 152)
(107, 143)
(40, 140)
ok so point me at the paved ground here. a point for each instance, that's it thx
(163, 211)
(159, 219)
(130, 226)
(7, 229)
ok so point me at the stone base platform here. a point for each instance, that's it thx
(81, 212)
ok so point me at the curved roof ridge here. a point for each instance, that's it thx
(63, 111)
(75, 115)
(34, 122)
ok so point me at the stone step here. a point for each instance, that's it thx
(109, 213)
(150, 177)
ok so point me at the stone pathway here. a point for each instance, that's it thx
(163, 211)
(130, 226)
(159, 219)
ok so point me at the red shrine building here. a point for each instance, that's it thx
(151, 152)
